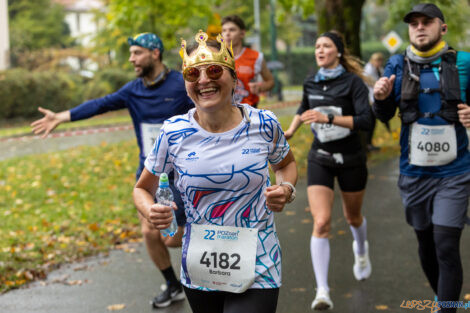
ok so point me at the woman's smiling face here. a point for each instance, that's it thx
(208, 93)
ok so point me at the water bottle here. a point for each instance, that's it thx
(165, 196)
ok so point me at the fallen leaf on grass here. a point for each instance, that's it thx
(306, 221)
(289, 213)
(94, 227)
(381, 307)
(28, 275)
(116, 307)
(341, 232)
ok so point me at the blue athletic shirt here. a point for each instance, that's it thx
(151, 105)
(429, 78)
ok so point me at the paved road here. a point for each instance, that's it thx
(25, 145)
(129, 277)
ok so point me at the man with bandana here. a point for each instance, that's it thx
(157, 94)
(430, 84)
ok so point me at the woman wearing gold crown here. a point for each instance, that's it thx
(220, 153)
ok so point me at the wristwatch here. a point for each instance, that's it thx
(330, 118)
(292, 189)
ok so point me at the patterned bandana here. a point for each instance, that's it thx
(327, 74)
(146, 40)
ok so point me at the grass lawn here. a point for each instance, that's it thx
(59, 207)
(63, 206)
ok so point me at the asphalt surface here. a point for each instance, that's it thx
(128, 277)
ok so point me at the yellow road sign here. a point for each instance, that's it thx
(392, 41)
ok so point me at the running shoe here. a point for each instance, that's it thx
(169, 295)
(322, 300)
(362, 267)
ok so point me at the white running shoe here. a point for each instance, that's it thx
(362, 267)
(322, 300)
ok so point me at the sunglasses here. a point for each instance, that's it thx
(213, 72)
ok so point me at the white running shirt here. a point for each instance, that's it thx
(222, 178)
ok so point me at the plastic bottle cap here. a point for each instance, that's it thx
(164, 180)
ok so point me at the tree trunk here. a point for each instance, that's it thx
(343, 16)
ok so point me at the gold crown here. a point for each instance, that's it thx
(205, 55)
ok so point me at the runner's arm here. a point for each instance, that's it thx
(464, 114)
(363, 117)
(267, 83)
(111, 102)
(296, 121)
(268, 78)
(278, 195)
(385, 109)
(51, 119)
(158, 215)
(294, 125)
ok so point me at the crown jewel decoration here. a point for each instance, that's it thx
(204, 55)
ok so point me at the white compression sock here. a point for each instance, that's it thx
(320, 252)
(360, 236)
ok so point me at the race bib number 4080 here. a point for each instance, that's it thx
(220, 257)
(432, 145)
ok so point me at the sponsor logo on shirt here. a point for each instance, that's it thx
(192, 156)
(251, 151)
(316, 97)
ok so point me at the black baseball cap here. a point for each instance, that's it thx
(428, 9)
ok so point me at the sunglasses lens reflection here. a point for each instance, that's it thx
(191, 74)
(213, 72)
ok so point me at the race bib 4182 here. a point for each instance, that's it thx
(220, 257)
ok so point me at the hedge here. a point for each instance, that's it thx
(301, 61)
(22, 91)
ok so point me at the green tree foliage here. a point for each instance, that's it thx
(342, 15)
(170, 20)
(37, 24)
(174, 19)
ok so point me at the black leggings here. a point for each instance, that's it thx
(250, 301)
(439, 252)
